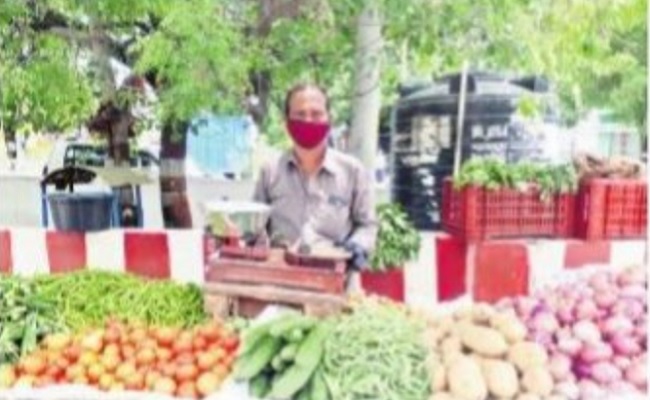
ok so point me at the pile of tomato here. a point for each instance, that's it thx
(190, 363)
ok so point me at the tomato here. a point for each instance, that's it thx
(221, 371)
(117, 387)
(218, 352)
(110, 362)
(145, 356)
(165, 385)
(168, 370)
(211, 331)
(135, 381)
(55, 371)
(230, 343)
(112, 335)
(164, 354)
(183, 344)
(62, 363)
(137, 335)
(44, 380)
(165, 336)
(33, 365)
(207, 360)
(75, 371)
(7, 376)
(88, 358)
(185, 358)
(187, 390)
(199, 343)
(150, 378)
(128, 352)
(106, 382)
(125, 370)
(72, 353)
(94, 341)
(57, 341)
(95, 371)
(207, 383)
(80, 380)
(186, 372)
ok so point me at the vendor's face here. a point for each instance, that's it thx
(309, 105)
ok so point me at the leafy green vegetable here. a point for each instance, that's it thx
(493, 174)
(397, 240)
(25, 318)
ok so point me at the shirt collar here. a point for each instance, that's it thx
(329, 164)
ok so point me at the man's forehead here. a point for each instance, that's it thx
(309, 94)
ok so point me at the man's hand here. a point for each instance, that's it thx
(359, 258)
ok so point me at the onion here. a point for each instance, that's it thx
(569, 346)
(622, 387)
(634, 292)
(630, 308)
(632, 276)
(605, 299)
(590, 390)
(636, 375)
(586, 309)
(544, 321)
(617, 325)
(605, 373)
(559, 366)
(568, 390)
(600, 281)
(587, 332)
(594, 352)
(564, 313)
(625, 345)
(622, 362)
(525, 305)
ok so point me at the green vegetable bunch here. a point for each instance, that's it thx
(87, 298)
(493, 174)
(376, 353)
(25, 318)
(397, 239)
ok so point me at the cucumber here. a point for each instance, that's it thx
(253, 363)
(254, 335)
(307, 360)
(318, 386)
(295, 336)
(289, 323)
(289, 351)
(260, 385)
(277, 363)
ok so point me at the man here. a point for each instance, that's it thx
(317, 194)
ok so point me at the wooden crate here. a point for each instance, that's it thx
(223, 299)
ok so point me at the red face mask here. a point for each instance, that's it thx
(307, 134)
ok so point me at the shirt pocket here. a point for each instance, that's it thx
(334, 217)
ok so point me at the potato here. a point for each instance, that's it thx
(501, 378)
(442, 396)
(482, 312)
(528, 396)
(527, 354)
(450, 345)
(466, 381)
(485, 341)
(463, 313)
(439, 379)
(510, 327)
(537, 380)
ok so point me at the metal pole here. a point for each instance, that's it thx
(460, 120)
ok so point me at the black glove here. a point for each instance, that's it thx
(359, 258)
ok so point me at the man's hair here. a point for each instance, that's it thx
(299, 87)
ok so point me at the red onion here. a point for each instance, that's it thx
(600, 281)
(625, 345)
(586, 309)
(605, 373)
(569, 346)
(632, 276)
(590, 390)
(594, 352)
(568, 390)
(617, 325)
(605, 299)
(621, 362)
(634, 292)
(622, 387)
(629, 308)
(564, 313)
(587, 332)
(544, 321)
(636, 375)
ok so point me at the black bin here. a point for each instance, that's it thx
(76, 211)
(81, 212)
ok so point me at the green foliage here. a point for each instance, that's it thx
(397, 240)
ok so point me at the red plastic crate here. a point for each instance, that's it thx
(476, 214)
(612, 209)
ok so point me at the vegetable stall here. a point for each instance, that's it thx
(582, 338)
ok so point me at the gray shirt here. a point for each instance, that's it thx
(335, 204)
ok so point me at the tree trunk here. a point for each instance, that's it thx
(367, 96)
(11, 145)
(173, 182)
